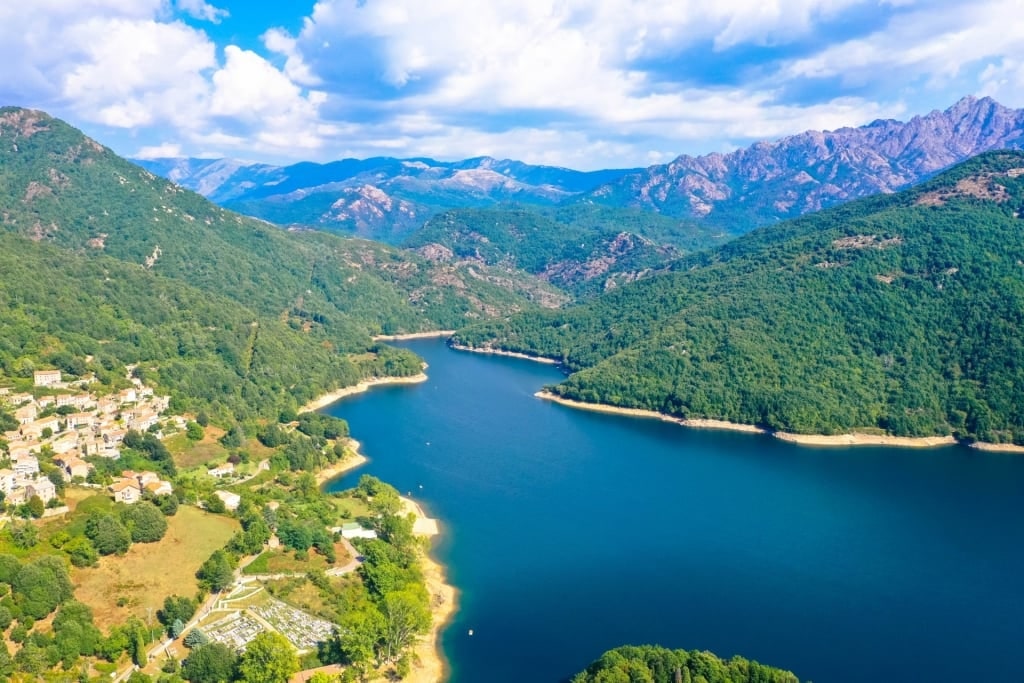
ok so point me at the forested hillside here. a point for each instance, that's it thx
(653, 664)
(900, 313)
(576, 256)
(102, 258)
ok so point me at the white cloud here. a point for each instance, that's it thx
(131, 73)
(581, 83)
(166, 149)
(931, 43)
(197, 9)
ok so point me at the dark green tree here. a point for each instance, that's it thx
(209, 663)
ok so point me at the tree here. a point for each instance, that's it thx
(36, 507)
(24, 535)
(405, 617)
(145, 521)
(168, 504)
(214, 504)
(194, 431)
(359, 633)
(41, 585)
(217, 572)
(176, 628)
(176, 608)
(209, 663)
(268, 658)
(195, 638)
(108, 534)
(81, 552)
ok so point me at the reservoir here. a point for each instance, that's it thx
(568, 533)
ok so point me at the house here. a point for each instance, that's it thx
(107, 406)
(354, 530)
(25, 466)
(41, 487)
(46, 378)
(65, 443)
(230, 500)
(8, 481)
(79, 420)
(141, 478)
(127, 396)
(159, 488)
(114, 436)
(36, 428)
(225, 470)
(126, 491)
(23, 449)
(26, 414)
(142, 419)
(72, 466)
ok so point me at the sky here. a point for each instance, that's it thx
(576, 83)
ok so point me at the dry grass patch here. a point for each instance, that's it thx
(281, 561)
(188, 454)
(149, 572)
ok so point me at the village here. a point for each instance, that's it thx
(69, 423)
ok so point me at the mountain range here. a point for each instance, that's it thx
(102, 259)
(388, 199)
(900, 313)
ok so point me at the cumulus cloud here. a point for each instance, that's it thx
(197, 9)
(585, 83)
(166, 149)
(131, 65)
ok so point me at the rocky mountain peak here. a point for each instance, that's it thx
(809, 171)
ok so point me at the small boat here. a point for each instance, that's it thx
(470, 631)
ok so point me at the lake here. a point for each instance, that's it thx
(570, 532)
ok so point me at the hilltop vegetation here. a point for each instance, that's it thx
(900, 313)
(104, 260)
(578, 255)
(652, 664)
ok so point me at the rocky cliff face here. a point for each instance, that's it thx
(815, 169)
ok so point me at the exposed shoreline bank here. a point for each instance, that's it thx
(414, 335)
(327, 399)
(430, 664)
(998, 447)
(853, 439)
(510, 354)
(352, 460)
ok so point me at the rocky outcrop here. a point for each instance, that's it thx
(770, 181)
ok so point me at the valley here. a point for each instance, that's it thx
(858, 287)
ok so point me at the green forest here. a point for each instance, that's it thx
(652, 664)
(899, 313)
(581, 248)
(103, 260)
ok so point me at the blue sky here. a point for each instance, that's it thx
(578, 83)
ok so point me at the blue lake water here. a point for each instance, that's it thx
(569, 533)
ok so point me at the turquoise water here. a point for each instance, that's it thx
(570, 532)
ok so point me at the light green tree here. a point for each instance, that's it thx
(268, 658)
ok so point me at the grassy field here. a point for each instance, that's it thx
(281, 561)
(138, 582)
(301, 593)
(188, 454)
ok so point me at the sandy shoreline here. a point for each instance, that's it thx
(998, 447)
(510, 354)
(854, 439)
(430, 665)
(414, 335)
(330, 397)
(353, 459)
